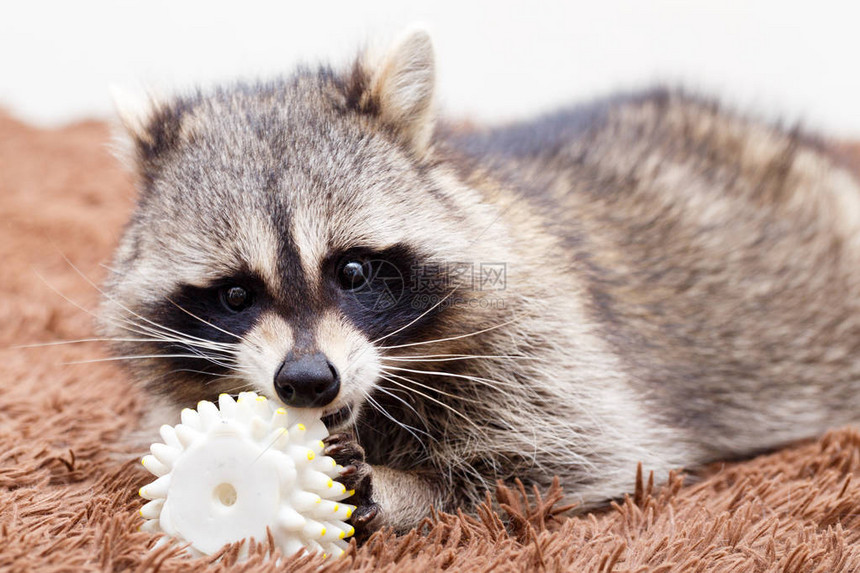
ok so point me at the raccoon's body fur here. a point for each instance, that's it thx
(655, 280)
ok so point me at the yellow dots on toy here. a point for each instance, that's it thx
(322, 533)
(325, 555)
(351, 492)
(261, 398)
(141, 492)
(321, 444)
(336, 507)
(330, 483)
(301, 427)
(281, 412)
(341, 535)
(311, 455)
(351, 530)
(348, 513)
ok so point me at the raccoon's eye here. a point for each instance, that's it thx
(235, 298)
(353, 274)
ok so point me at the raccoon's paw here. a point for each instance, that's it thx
(356, 475)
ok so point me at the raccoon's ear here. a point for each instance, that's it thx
(132, 113)
(398, 88)
(147, 127)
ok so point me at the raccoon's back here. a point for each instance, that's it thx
(720, 255)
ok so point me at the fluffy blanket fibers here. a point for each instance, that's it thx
(68, 485)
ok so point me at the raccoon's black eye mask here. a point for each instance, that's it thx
(220, 312)
(376, 289)
(379, 292)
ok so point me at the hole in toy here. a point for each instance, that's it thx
(225, 494)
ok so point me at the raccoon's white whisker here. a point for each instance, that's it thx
(449, 357)
(484, 381)
(449, 337)
(125, 308)
(221, 353)
(211, 358)
(145, 332)
(431, 388)
(111, 269)
(140, 357)
(132, 327)
(376, 405)
(160, 329)
(147, 356)
(180, 338)
(465, 418)
(208, 350)
(390, 393)
(354, 422)
(373, 343)
(135, 328)
(207, 323)
(125, 324)
(478, 430)
(171, 334)
(81, 341)
(239, 374)
(385, 413)
(87, 340)
(199, 350)
(414, 320)
(64, 297)
(212, 374)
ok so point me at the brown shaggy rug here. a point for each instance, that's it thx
(68, 487)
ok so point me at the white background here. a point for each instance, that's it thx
(497, 60)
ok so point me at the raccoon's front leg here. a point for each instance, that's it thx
(383, 496)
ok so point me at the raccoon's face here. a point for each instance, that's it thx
(277, 235)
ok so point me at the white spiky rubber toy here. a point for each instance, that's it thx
(231, 471)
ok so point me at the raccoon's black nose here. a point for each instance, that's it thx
(307, 381)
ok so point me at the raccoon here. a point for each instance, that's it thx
(647, 278)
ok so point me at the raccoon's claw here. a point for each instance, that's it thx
(356, 475)
(364, 515)
(347, 476)
(348, 453)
